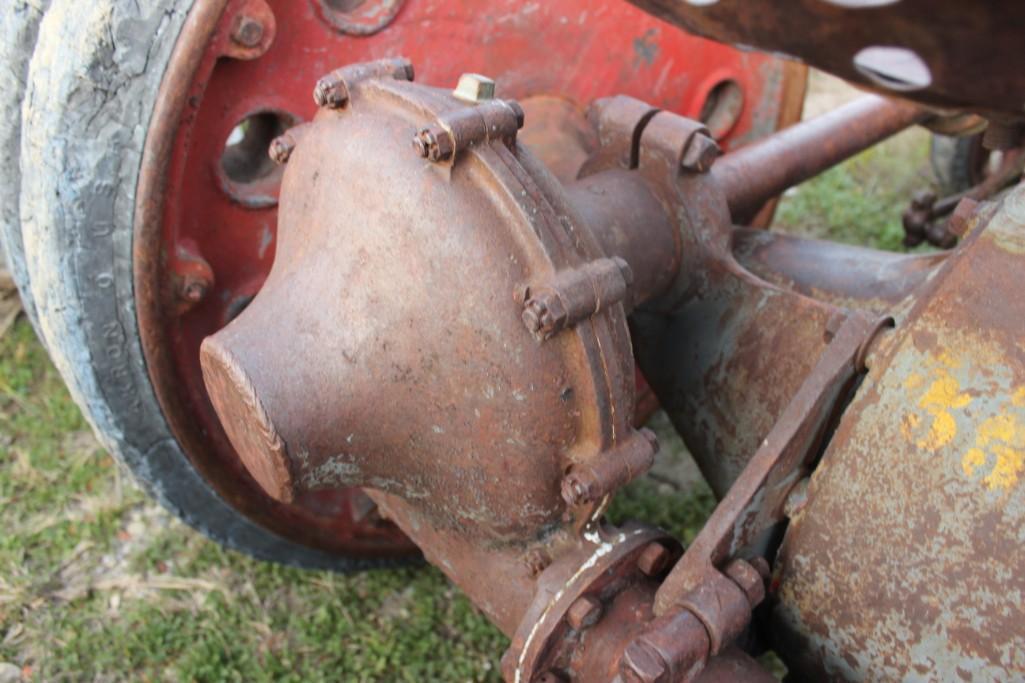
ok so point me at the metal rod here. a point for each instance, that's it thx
(754, 174)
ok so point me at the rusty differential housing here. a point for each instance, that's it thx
(390, 346)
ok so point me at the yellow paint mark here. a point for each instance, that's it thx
(972, 460)
(1005, 439)
(1010, 462)
(942, 396)
(997, 457)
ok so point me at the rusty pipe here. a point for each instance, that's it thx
(840, 274)
(758, 172)
(630, 223)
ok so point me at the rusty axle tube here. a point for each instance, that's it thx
(754, 174)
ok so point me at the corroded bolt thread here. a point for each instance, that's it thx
(748, 579)
(536, 561)
(281, 148)
(700, 154)
(433, 144)
(584, 612)
(330, 92)
(248, 31)
(543, 317)
(575, 491)
(654, 559)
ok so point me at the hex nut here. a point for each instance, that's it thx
(654, 559)
(748, 579)
(584, 612)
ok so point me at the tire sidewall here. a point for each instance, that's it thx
(90, 92)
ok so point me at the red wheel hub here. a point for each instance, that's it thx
(244, 70)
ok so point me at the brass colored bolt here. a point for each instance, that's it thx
(474, 88)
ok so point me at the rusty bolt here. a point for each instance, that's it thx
(575, 491)
(701, 152)
(536, 561)
(544, 315)
(281, 148)
(584, 612)
(434, 144)
(248, 31)
(761, 566)
(654, 559)
(642, 664)
(748, 578)
(330, 92)
(474, 88)
(961, 220)
(193, 289)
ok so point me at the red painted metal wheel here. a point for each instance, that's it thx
(243, 71)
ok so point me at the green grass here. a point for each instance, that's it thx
(96, 583)
(861, 201)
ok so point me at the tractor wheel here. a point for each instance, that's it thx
(139, 205)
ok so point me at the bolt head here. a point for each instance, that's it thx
(281, 148)
(654, 559)
(701, 152)
(248, 31)
(584, 612)
(474, 88)
(574, 491)
(330, 93)
(641, 664)
(748, 578)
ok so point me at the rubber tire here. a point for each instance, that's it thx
(89, 92)
(19, 25)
